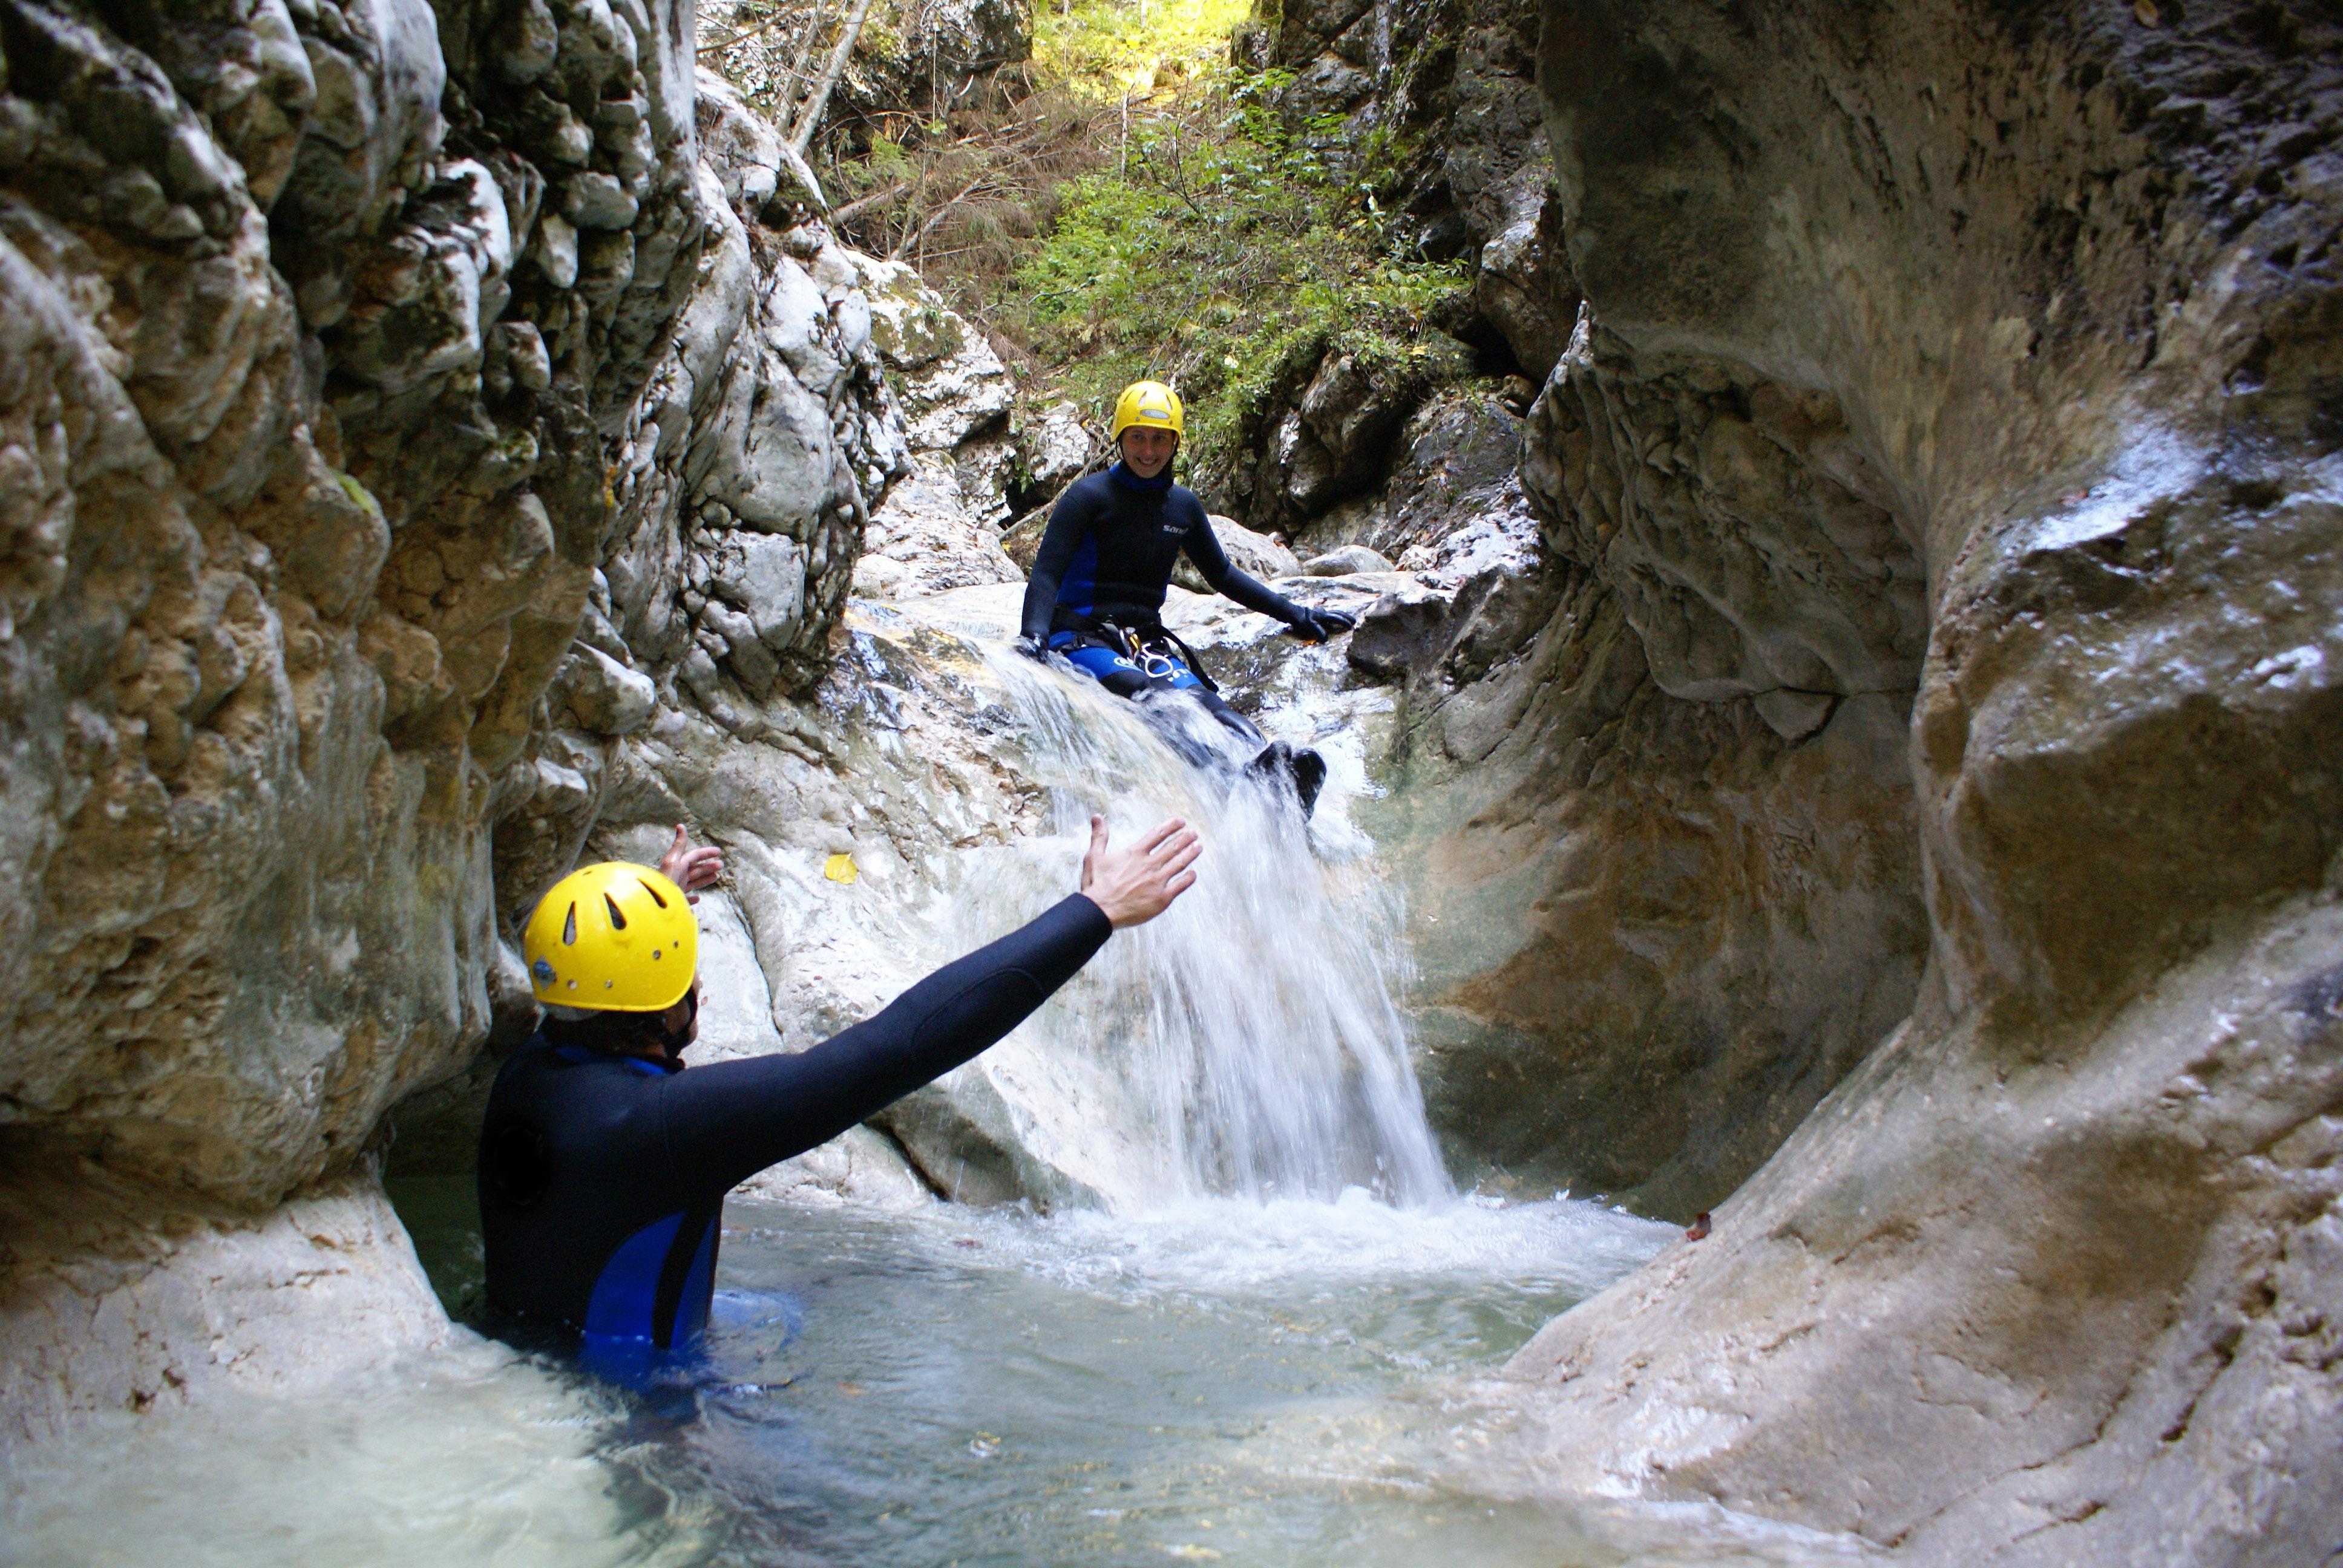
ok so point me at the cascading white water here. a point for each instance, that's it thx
(1264, 1351)
(1254, 1027)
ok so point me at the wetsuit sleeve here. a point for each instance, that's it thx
(1204, 549)
(727, 1120)
(1070, 519)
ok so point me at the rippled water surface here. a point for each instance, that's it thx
(1241, 1358)
(1290, 1383)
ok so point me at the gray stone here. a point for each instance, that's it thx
(592, 199)
(555, 250)
(602, 695)
(1795, 715)
(1349, 559)
(764, 179)
(526, 41)
(1400, 634)
(1256, 555)
(421, 318)
(764, 577)
(1060, 447)
(524, 352)
(930, 536)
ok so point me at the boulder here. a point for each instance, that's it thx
(1345, 562)
(763, 178)
(1257, 555)
(1058, 447)
(602, 696)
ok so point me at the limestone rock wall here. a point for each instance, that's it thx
(1663, 900)
(398, 405)
(2025, 327)
(1448, 85)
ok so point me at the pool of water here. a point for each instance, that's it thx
(1288, 1384)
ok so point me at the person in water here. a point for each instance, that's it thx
(604, 1162)
(1096, 595)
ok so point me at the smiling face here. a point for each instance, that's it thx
(1146, 449)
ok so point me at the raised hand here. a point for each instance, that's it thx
(692, 869)
(1133, 886)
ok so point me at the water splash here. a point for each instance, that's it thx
(1254, 1027)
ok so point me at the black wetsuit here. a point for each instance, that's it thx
(1107, 558)
(602, 1177)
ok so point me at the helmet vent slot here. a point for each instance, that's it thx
(617, 920)
(654, 892)
(569, 929)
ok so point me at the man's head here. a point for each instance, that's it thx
(1147, 427)
(613, 951)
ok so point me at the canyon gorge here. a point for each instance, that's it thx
(1844, 736)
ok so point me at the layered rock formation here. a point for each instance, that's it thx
(1662, 824)
(2020, 330)
(398, 406)
(1432, 102)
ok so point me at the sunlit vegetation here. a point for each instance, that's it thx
(1131, 203)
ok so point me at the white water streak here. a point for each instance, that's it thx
(1255, 1025)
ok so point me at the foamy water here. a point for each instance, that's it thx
(1277, 1345)
(1254, 1030)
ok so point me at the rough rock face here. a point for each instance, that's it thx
(2041, 311)
(1444, 88)
(933, 56)
(1324, 436)
(1652, 929)
(1451, 81)
(395, 404)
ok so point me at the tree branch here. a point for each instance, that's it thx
(936, 217)
(862, 204)
(817, 103)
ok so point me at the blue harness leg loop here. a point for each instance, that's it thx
(1096, 662)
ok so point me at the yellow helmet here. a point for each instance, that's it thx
(1149, 403)
(612, 937)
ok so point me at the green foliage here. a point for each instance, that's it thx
(1103, 49)
(1151, 210)
(1224, 251)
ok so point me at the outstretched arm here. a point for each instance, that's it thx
(1204, 548)
(728, 1120)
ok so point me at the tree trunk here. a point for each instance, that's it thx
(810, 118)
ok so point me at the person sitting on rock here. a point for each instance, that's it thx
(604, 1163)
(1096, 595)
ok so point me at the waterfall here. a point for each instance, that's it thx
(1253, 1032)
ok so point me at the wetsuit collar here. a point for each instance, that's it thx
(577, 1055)
(1122, 474)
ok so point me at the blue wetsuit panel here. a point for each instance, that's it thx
(1078, 591)
(626, 1293)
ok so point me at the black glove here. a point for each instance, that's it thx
(1321, 625)
(1032, 647)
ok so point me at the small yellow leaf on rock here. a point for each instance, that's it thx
(840, 869)
(2146, 12)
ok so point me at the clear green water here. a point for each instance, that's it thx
(1293, 1384)
(1287, 1383)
